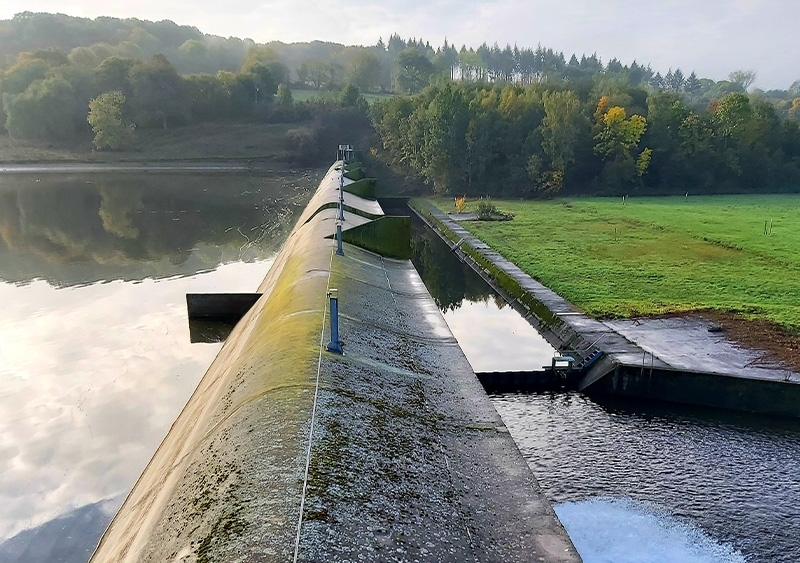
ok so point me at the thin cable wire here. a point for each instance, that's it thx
(313, 418)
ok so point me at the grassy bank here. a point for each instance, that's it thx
(224, 141)
(659, 255)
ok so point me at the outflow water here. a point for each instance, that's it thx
(662, 483)
(625, 531)
(631, 482)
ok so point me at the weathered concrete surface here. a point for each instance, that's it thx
(674, 359)
(689, 344)
(285, 452)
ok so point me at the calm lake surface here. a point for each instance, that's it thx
(631, 482)
(96, 360)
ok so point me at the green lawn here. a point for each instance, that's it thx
(658, 255)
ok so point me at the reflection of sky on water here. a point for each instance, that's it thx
(497, 339)
(95, 354)
(91, 379)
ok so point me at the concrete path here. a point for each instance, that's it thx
(687, 343)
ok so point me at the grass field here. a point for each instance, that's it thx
(658, 255)
(306, 95)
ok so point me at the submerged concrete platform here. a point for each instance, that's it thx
(287, 452)
(676, 359)
(694, 344)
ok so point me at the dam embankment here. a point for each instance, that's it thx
(288, 452)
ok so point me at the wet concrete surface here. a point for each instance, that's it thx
(286, 452)
(694, 344)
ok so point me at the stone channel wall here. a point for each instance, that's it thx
(286, 452)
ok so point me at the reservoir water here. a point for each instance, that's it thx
(95, 353)
(631, 482)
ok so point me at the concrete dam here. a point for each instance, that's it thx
(291, 451)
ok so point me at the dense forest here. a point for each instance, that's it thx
(494, 121)
(611, 139)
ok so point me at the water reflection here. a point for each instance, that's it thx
(84, 228)
(449, 281)
(492, 335)
(95, 345)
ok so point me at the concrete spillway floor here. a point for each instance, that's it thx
(686, 343)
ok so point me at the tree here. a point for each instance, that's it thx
(266, 57)
(43, 111)
(194, 55)
(265, 85)
(692, 85)
(618, 142)
(113, 74)
(207, 95)
(794, 111)
(352, 98)
(17, 78)
(731, 114)
(365, 71)
(105, 117)
(285, 96)
(562, 127)
(744, 78)
(319, 74)
(240, 89)
(158, 92)
(413, 71)
(446, 119)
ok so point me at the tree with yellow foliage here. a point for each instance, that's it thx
(618, 141)
(105, 116)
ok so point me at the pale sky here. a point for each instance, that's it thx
(712, 37)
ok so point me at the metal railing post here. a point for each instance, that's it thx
(339, 249)
(334, 345)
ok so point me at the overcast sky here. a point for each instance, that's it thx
(712, 37)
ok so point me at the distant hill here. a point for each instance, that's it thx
(69, 538)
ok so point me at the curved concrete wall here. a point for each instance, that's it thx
(287, 452)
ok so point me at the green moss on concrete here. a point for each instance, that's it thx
(365, 187)
(387, 236)
(354, 174)
(506, 282)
